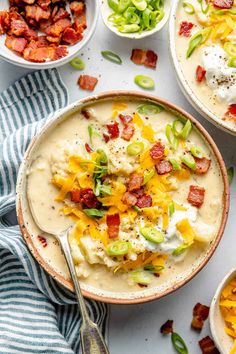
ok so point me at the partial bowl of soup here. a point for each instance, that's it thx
(203, 50)
(143, 185)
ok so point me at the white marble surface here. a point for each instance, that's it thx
(135, 329)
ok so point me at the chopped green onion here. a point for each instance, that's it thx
(140, 4)
(135, 148)
(113, 5)
(123, 5)
(189, 161)
(153, 269)
(150, 109)
(179, 250)
(171, 208)
(188, 8)
(136, 208)
(232, 63)
(101, 168)
(129, 28)
(177, 127)
(152, 234)
(77, 63)
(196, 151)
(176, 165)
(118, 248)
(102, 157)
(179, 343)
(230, 172)
(147, 176)
(101, 189)
(223, 11)
(93, 212)
(92, 133)
(204, 6)
(142, 277)
(107, 54)
(174, 142)
(197, 39)
(144, 81)
(186, 130)
(230, 49)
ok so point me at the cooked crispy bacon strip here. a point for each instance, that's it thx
(202, 165)
(151, 59)
(128, 132)
(200, 314)
(113, 223)
(89, 199)
(4, 21)
(196, 196)
(185, 28)
(75, 195)
(129, 199)
(163, 167)
(70, 36)
(125, 118)
(37, 13)
(113, 130)
(60, 14)
(58, 27)
(223, 4)
(145, 57)
(44, 4)
(167, 327)
(17, 25)
(42, 54)
(88, 148)
(106, 137)
(231, 112)
(87, 82)
(16, 43)
(77, 7)
(157, 151)
(207, 346)
(200, 73)
(135, 181)
(80, 23)
(144, 202)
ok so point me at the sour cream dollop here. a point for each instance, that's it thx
(219, 76)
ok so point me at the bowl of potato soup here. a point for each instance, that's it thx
(143, 185)
(203, 50)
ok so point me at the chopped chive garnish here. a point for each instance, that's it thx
(145, 82)
(179, 343)
(107, 54)
(77, 63)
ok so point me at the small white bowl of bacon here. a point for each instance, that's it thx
(41, 34)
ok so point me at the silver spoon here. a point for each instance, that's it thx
(92, 340)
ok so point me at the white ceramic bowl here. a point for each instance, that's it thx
(10, 56)
(106, 11)
(184, 84)
(217, 323)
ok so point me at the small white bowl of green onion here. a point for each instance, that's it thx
(135, 19)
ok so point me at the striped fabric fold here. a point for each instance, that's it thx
(37, 315)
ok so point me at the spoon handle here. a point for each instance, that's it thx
(91, 337)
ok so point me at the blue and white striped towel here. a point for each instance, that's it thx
(36, 314)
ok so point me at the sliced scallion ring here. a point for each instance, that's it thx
(204, 6)
(230, 49)
(145, 82)
(174, 142)
(147, 176)
(152, 234)
(152, 268)
(77, 63)
(142, 277)
(175, 163)
(94, 212)
(140, 4)
(197, 39)
(171, 209)
(179, 343)
(118, 248)
(189, 161)
(135, 148)
(150, 108)
(132, 28)
(188, 8)
(186, 130)
(179, 250)
(196, 151)
(177, 126)
(232, 63)
(107, 54)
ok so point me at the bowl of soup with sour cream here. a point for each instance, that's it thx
(143, 185)
(203, 50)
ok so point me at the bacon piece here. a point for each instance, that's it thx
(60, 14)
(125, 118)
(4, 21)
(44, 24)
(54, 40)
(89, 199)
(144, 202)
(202, 165)
(129, 199)
(44, 4)
(30, 34)
(38, 43)
(113, 130)
(200, 314)
(167, 327)
(87, 82)
(223, 4)
(75, 195)
(15, 43)
(86, 113)
(70, 36)
(157, 151)
(231, 112)
(60, 52)
(135, 181)
(77, 7)
(29, 2)
(37, 13)
(151, 59)
(80, 23)
(58, 27)
(113, 223)
(128, 132)
(146, 57)
(207, 346)
(196, 196)
(16, 23)
(138, 192)
(200, 73)
(42, 54)
(185, 28)
(88, 148)
(163, 167)
(43, 240)
(106, 137)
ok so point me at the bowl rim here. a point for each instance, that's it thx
(116, 95)
(215, 304)
(183, 83)
(64, 60)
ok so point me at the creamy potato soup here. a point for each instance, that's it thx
(141, 187)
(206, 49)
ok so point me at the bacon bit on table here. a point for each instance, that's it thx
(113, 130)
(223, 4)
(129, 199)
(75, 195)
(185, 28)
(167, 327)
(125, 118)
(147, 58)
(135, 181)
(231, 113)
(113, 223)
(207, 346)
(157, 151)
(26, 17)
(200, 73)
(43, 240)
(200, 314)
(89, 199)
(163, 167)
(88, 148)
(128, 132)
(87, 82)
(196, 196)
(202, 165)
(144, 202)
